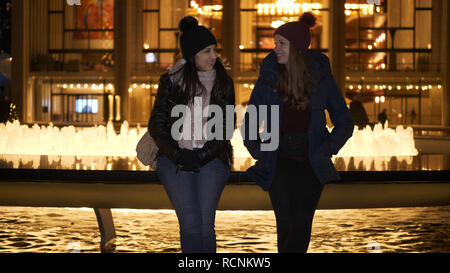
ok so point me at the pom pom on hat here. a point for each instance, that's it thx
(308, 19)
(194, 37)
(187, 23)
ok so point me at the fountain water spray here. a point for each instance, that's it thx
(93, 144)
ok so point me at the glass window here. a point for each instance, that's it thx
(259, 18)
(141, 98)
(161, 34)
(59, 100)
(386, 37)
(409, 103)
(81, 37)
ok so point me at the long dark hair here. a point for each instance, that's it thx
(192, 86)
(296, 82)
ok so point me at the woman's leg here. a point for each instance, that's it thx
(304, 206)
(295, 193)
(181, 189)
(210, 182)
(279, 192)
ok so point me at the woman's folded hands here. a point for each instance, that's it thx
(189, 160)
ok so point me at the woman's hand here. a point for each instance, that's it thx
(189, 161)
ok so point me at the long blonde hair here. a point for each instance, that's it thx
(296, 83)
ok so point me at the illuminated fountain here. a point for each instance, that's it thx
(96, 148)
(74, 148)
(376, 147)
(68, 140)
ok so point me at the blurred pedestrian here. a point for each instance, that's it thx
(413, 116)
(358, 113)
(7, 109)
(382, 117)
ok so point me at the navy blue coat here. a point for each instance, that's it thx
(322, 143)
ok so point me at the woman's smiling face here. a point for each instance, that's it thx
(281, 48)
(206, 58)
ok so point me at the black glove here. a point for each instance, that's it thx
(189, 161)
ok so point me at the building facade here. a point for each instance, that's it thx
(101, 60)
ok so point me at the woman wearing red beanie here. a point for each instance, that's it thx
(299, 82)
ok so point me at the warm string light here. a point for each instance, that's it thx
(108, 86)
(377, 67)
(93, 86)
(392, 87)
(379, 40)
(381, 66)
(147, 86)
(277, 23)
(287, 7)
(382, 99)
(206, 10)
(365, 9)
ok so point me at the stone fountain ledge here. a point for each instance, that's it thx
(236, 177)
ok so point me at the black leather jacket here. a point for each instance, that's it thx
(160, 123)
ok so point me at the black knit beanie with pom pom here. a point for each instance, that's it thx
(194, 37)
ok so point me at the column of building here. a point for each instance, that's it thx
(20, 54)
(231, 25)
(337, 41)
(38, 46)
(440, 56)
(446, 61)
(123, 50)
(437, 48)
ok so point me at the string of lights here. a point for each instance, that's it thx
(249, 85)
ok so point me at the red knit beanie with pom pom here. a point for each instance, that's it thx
(299, 32)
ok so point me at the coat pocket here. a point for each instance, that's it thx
(325, 169)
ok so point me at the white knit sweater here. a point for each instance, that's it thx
(196, 138)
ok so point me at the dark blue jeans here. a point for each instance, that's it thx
(195, 197)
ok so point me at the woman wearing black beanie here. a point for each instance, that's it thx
(193, 167)
(299, 82)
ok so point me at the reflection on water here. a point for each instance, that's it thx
(430, 162)
(60, 229)
(380, 163)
